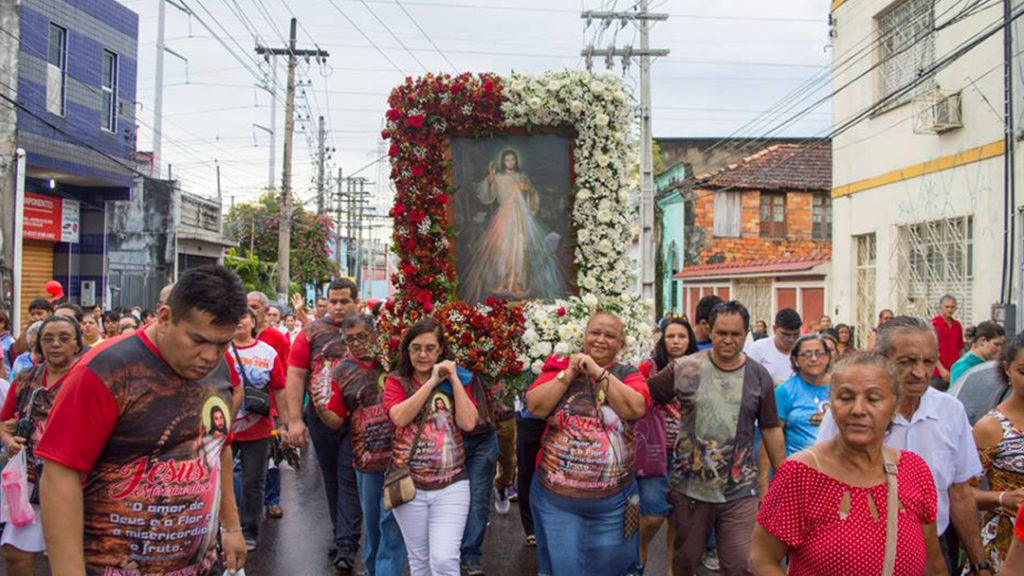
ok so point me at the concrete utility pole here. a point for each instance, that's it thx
(158, 95)
(284, 236)
(272, 130)
(644, 18)
(337, 227)
(321, 159)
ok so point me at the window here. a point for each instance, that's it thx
(108, 111)
(56, 70)
(728, 211)
(935, 258)
(865, 251)
(821, 217)
(773, 215)
(906, 45)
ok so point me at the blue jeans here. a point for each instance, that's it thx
(481, 465)
(384, 549)
(334, 453)
(273, 493)
(577, 536)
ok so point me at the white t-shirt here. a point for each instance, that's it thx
(767, 354)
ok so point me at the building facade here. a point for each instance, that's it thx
(919, 178)
(76, 122)
(670, 230)
(762, 233)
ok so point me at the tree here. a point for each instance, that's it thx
(254, 225)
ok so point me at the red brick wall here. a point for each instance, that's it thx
(750, 246)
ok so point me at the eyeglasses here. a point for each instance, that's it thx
(813, 354)
(360, 337)
(429, 350)
(51, 340)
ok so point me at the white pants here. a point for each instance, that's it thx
(432, 526)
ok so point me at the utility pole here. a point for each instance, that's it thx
(644, 18)
(1009, 177)
(337, 228)
(158, 95)
(359, 236)
(321, 159)
(284, 236)
(272, 130)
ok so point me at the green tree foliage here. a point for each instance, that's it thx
(255, 226)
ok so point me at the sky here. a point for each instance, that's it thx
(730, 61)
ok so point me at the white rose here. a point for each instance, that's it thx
(583, 235)
(540, 315)
(576, 106)
(537, 366)
(530, 336)
(589, 283)
(604, 246)
(604, 216)
(535, 102)
(562, 349)
(566, 332)
(583, 194)
(601, 120)
(590, 299)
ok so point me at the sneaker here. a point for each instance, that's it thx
(501, 502)
(473, 567)
(710, 561)
(343, 563)
(250, 545)
(513, 494)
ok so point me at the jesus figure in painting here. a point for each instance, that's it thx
(513, 259)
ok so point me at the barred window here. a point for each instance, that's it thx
(906, 46)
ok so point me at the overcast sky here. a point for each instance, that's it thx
(730, 61)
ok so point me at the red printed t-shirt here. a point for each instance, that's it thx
(951, 341)
(20, 403)
(148, 443)
(357, 391)
(440, 458)
(587, 452)
(263, 368)
(317, 349)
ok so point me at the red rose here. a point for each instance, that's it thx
(410, 244)
(417, 216)
(394, 343)
(428, 307)
(417, 170)
(416, 121)
(442, 199)
(384, 134)
(394, 115)
(561, 311)
(393, 150)
(466, 339)
(408, 269)
(398, 210)
(488, 86)
(491, 301)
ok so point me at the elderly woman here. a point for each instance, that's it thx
(1001, 447)
(802, 400)
(584, 494)
(24, 414)
(827, 509)
(431, 408)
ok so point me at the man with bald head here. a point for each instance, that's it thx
(933, 425)
(165, 293)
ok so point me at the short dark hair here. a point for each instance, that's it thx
(5, 321)
(111, 316)
(703, 311)
(988, 330)
(147, 313)
(213, 289)
(40, 304)
(1010, 351)
(661, 358)
(788, 319)
(345, 284)
(38, 344)
(730, 307)
(424, 326)
(75, 309)
(324, 298)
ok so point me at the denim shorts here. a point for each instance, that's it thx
(654, 496)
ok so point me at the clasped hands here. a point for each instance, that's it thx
(583, 364)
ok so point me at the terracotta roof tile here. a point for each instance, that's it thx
(779, 167)
(751, 267)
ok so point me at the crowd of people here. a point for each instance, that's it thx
(149, 441)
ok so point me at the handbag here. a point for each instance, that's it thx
(257, 400)
(650, 438)
(399, 487)
(892, 506)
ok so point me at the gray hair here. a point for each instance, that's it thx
(356, 320)
(860, 359)
(261, 297)
(946, 297)
(884, 342)
(33, 331)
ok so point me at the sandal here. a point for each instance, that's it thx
(531, 540)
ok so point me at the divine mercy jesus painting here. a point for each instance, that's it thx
(512, 217)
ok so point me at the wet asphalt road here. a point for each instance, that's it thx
(296, 545)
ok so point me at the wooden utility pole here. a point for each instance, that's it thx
(284, 235)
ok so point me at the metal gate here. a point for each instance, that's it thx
(934, 259)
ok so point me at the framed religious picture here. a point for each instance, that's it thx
(512, 216)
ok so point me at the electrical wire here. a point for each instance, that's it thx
(416, 23)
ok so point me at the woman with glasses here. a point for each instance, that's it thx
(586, 509)
(430, 407)
(24, 414)
(802, 400)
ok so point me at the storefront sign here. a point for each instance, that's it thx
(50, 218)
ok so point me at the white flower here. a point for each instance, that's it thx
(601, 120)
(605, 246)
(537, 366)
(562, 349)
(605, 216)
(589, 299)
(535, 102)
(530, 336)
(576, 106)
(566, 332)
(583, 194)
(583, 236)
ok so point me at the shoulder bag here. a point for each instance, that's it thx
(892, 513)
(256, 400)
(399, 487)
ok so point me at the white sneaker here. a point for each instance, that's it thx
(501, 502)
(710, 561)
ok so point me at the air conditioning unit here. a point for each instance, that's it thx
(937, 113)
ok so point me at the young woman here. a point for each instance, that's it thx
(847, 342)
(257, 364)
(433, 522)
(30, 399)
(1001, 447)
(802, 400)
(677, 340)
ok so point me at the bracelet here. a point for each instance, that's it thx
(1001, 494)
(224, 530)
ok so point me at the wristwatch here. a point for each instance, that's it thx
(981, 567)
(561, 376)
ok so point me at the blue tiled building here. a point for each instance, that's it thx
(77, 75)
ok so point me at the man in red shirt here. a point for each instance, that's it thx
(137, 476)
(259, 303)
(317, 350)
(951, 341)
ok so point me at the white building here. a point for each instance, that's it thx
(918, 197)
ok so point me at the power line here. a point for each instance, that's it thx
(393, 35)
(416, 23)
(366, 37)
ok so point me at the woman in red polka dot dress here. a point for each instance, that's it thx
(826, 508)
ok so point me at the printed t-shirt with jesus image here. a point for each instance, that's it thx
(587, 449)
(440, 458)
(148, 443)
(357, 393)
